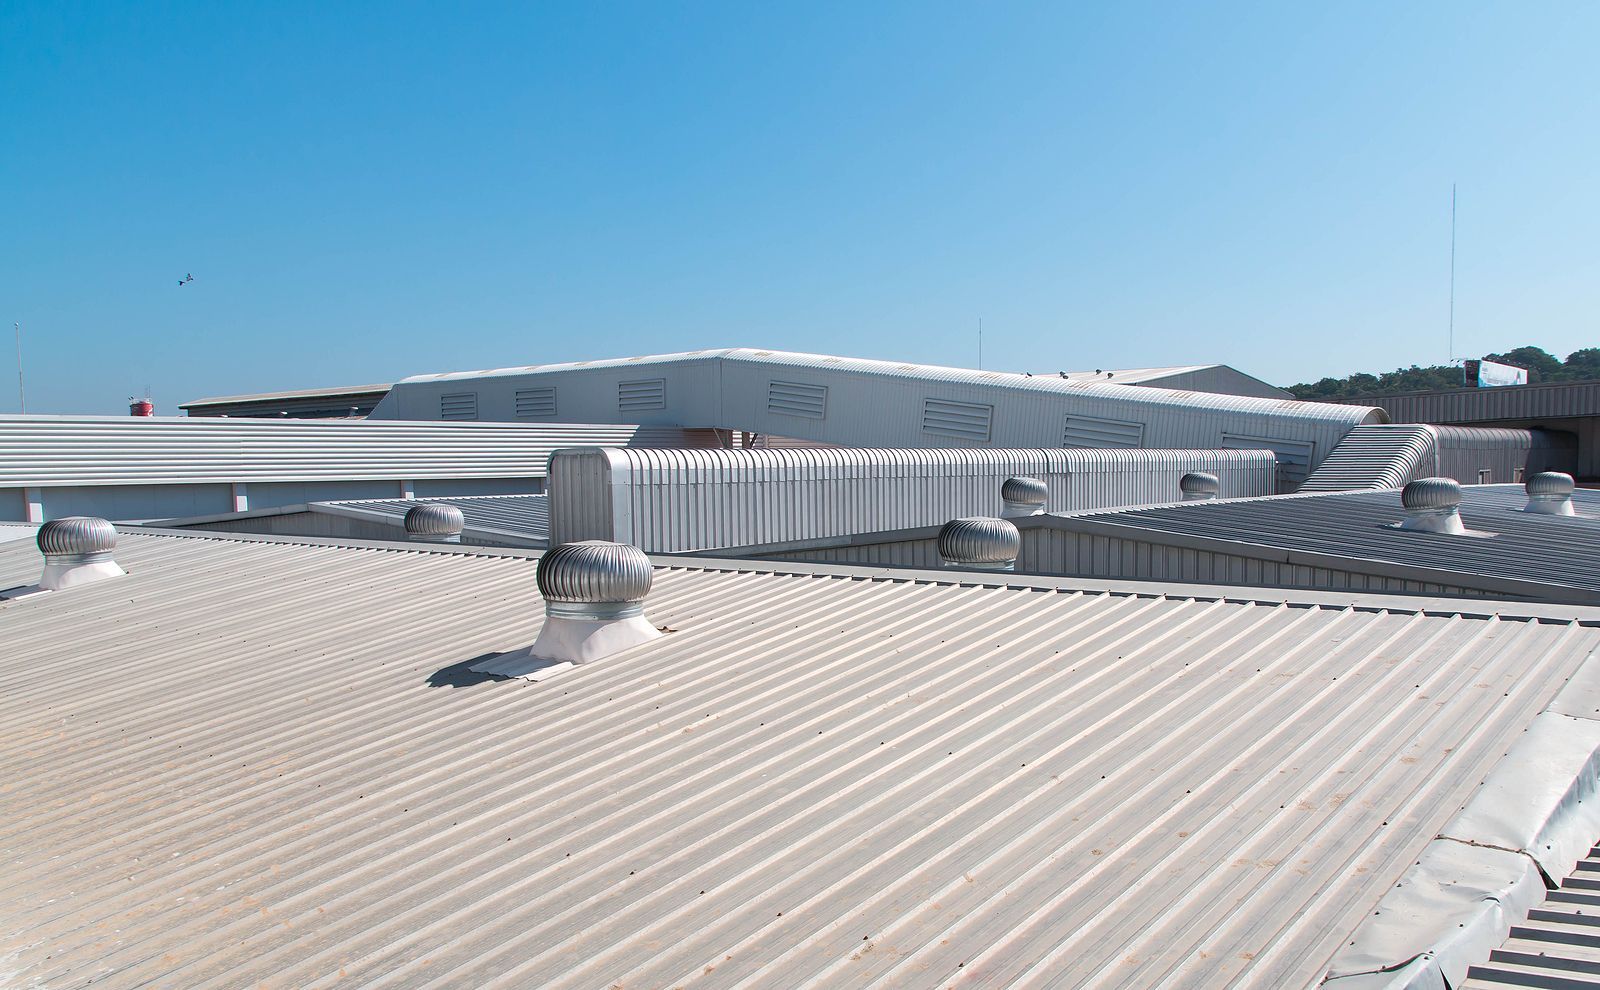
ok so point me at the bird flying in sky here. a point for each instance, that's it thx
(186, 278)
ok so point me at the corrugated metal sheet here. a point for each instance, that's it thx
(1333, 541)
(1378, 456)
(1558, 946)
(1326, 540)
(829, 780)
(1218, 378)
(1052, 551)
(1388, 456)
(331, 392)
(882, 404)
(44, 451)
(345, 401)
(669, 501)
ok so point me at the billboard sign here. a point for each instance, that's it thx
(1487, 374)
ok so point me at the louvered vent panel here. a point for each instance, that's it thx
(797, 399)
(966, 420)
(650, 393)
(458, 405)
(534, 403)
(1294, 456)
(1091, 431)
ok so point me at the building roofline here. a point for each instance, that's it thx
(332, 392)
(1482, 608)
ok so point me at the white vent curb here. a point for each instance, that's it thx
(1526, 826)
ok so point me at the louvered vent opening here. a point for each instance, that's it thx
(651, 393)
(533, 403)
(965, 420)
(1092, 431)
(458, 405)
(797, 399)
(1294, 456)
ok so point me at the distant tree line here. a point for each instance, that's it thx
(1541, 364)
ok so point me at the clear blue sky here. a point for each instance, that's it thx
(364, 193)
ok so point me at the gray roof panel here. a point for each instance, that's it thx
(261, 761)
(1507, 542)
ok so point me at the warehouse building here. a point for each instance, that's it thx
(851, 402)
(359, 400)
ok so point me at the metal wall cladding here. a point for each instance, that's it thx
(668, 501)
(1385, 456)
(1487, 455)
(1468, 405)
(883, 404)
(50, 451)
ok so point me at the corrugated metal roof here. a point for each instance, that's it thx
(1558, 946)
(45, 451)
(1218, 378)
(337, 391)
(1507, 543)
(258, 762)
(1130, 375)
(1375, 456)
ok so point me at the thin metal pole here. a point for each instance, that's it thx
(22, 399)
(1452, 347)
(980, 343)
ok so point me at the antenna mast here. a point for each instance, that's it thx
(1452, 346)
(980, 343)
(22, 399)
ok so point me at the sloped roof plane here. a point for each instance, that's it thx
(830, 775)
